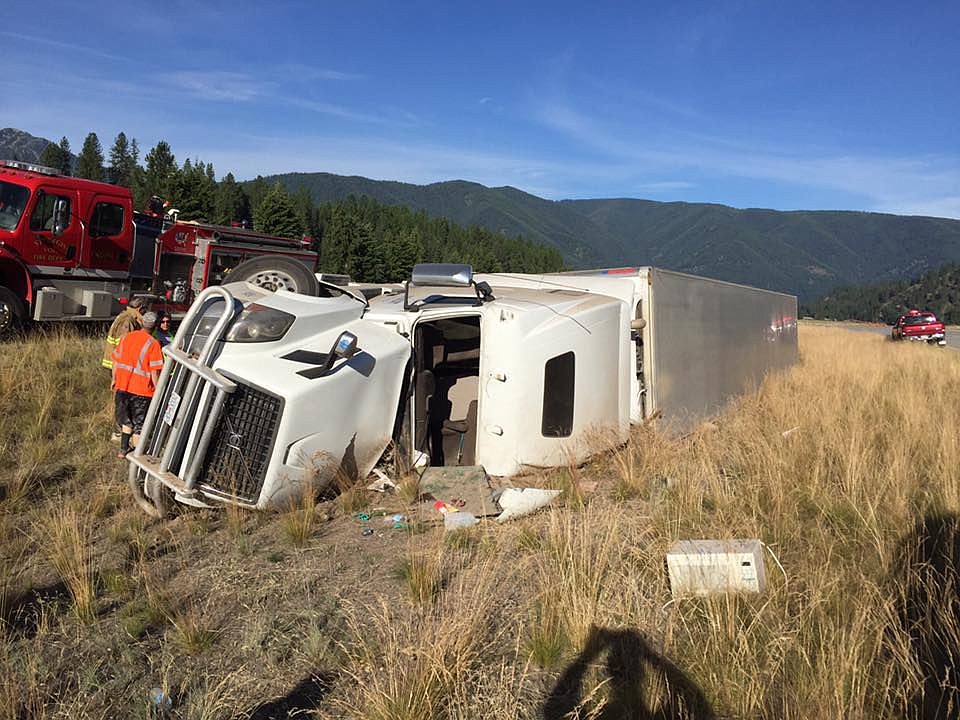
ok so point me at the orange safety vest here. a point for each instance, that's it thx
(135, 357)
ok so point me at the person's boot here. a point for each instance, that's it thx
(124, 445)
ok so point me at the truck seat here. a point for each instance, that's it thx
(460, 438)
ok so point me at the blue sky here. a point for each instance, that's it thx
(813, 105)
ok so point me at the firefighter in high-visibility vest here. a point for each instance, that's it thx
(137, 362)
(127, 321)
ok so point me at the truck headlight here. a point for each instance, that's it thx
(259, 323)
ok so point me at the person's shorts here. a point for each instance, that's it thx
(131, 409)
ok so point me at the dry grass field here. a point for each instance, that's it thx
(566, 613)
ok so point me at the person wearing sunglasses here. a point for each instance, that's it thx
(163, 332)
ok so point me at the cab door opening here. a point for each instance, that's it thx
(447, 389)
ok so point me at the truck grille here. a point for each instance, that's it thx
(240, 448)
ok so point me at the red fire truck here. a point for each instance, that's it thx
(75, 250)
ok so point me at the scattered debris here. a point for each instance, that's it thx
(704, 567)
(383, 483)
(464, 487)
(454, 519)
(523, 501)
(397, 522)
(367, 532)
(791, 431)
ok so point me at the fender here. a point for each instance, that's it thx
(14, 275)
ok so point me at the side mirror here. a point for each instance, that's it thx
(344, 347)
(61, 217)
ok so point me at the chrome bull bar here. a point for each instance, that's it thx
(185, 408)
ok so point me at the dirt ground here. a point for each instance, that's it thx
(232, 614)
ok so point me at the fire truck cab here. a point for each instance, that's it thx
(73, 249)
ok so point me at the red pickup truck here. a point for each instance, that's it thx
(916, 325)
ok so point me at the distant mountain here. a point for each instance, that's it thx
(503, 209)
(806, 253)
(937, 290)
(19, 145)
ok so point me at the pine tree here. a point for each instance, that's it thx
(122, 162)
(402, 250)
(65, 159)
(232, 204)
(138, 177)
(256, 191)
(303, 204)
(276, 215)
(193, 191)
(161, 173)
(90, 160)
(365, 260)
(52, 157)
(338, 237)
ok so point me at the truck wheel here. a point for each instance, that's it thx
(12, 312)
(274, 272)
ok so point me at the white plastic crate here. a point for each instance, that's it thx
(703, 567)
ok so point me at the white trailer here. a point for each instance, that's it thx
(262, 393)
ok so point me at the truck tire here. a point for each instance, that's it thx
(13, 313)
(275, 272)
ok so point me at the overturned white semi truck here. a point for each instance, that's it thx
(262, 392)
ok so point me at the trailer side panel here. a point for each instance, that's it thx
(711, 341)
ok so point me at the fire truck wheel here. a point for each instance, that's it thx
(12, 311)
(275, 272)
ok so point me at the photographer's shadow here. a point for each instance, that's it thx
(632, 667)
(926, 580)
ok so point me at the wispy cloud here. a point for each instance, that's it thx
(70, 47)
(948, 207)
(308, 73)
(664, 186)
(924, 185)
(416, 162)
(218, 86)
(331, 109)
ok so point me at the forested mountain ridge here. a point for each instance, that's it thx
(937, 290)
(803, 252)
(502, 209)
(19, 145)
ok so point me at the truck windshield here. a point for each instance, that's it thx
(920, 320)
(13, 199)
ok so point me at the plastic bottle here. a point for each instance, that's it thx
(454, 519)
(160, 701)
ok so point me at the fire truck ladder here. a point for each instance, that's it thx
(185, 408)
